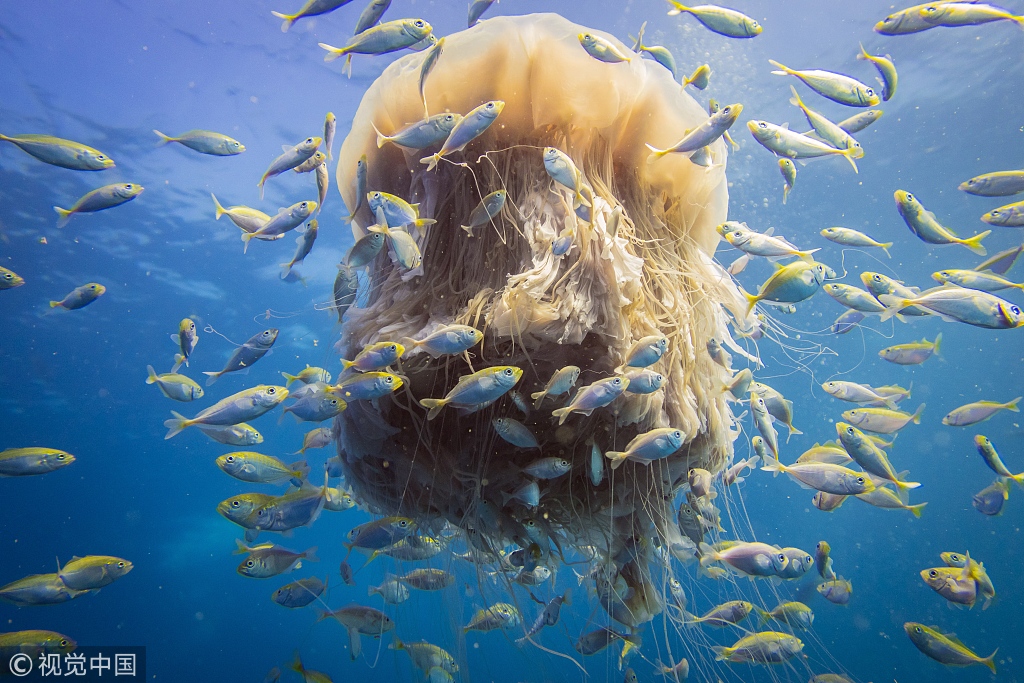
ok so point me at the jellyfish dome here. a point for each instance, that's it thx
(638, 264)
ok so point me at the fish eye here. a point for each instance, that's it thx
(271, 390)
(508, 371)
(63, 642)
(249, 563)
(1015, 310)
(917, 629)
(781, 556)
(235, 504)
(101, 157)
(60, 456)
(995, 212)
(563, 463)
(120, 565)
(933, 573)
(309, 141)
(419, 23)
(860, 480)
(807, 558)
(128, 186)
(403, 524)
(230, 458)
(762, 124)
(490, 105)
(727, 110)
(910, 197)
(388, 379)
(869, 91)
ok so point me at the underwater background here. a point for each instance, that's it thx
(107, 73)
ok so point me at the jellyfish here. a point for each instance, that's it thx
(639, 264)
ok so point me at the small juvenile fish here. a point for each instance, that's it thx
(563, 171)
(476, 10)
(647, 447)
(430, 131)
(966, 14)
(783, 142)
(596, 469)
(725, 22)
(856, 393)
(285, 220)
(970, 306)
(593, 396)
(499, 615)
(883, 497)
(311, 163)
(233, 435)
(548, 468)
(247, 404)
(308, 375)
(828, 131)
(602, 49)
(174, 386)
(367, 386)
(489, 207)
(833, 86)
(311, 8)
(977, 572)
(998, 184)
(763, 422)
(595, 641)
(727, 614)
(989, 501)
(392, 590)
(375, 356)
(828, 502)
(766, 647)
(299, 593)
(882, 420)
(788, 170)
(38, 589)
(239, 509)
(659, 53)
(257, 468)
(973, 413)
(869, 456)
(411, 549)
(390, 36)
(796, 614)
(748, 559)
(292, 157)
(304, 245)
(338, 500)
(836, 591)
(428, 579)
(834, 479)
(316, 407)
(395, 211)
(822, 556)
(913, 353)
(446, 340)
(646, 351)
(360, 177)
(1009, 216)
(268, 560)
(428, 64)
(330, 120)
(186, 340)
(903, 22)
(346, 286)
(700, 78)
(854, 238)
(924, 224)
(992, 459)
(985, 281)
(60, 152)
(528, 493)
(770, 246)
(477, 390)
(854, 298)
(465, 131)
(829, 452)
(644, 381)
(93, 572)
(205, 142)
(99, 199)
(20, 462)
(380, 533)
(365, 250)
(9, 279)
(703, 135)
(943, 648)
(80, 297)
(860, 121)
(245, 355)
(246, 218)
(427, 657)
(515, 432)
(886, 69)
(358, 620)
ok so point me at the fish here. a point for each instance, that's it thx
(338, 500)
(392, 590)
(644, 381)
(977, 572)
(446, 340)
(853, 238)
(246, 218)
(307, 375)
(886, 70)
(990, 500)
(318, 159)
(828, 502)
(204, 142)
(489, 207)
(316, 407)
(411, 549)
(376, 356)
(645, 352)
(426, 656)
(970, 306)
(836, 87)
(465, 131)
(662, 55)
(360, 191)
(248, 353)
(240, 434)
(174, 386)
(700, 78)
(245, 405)
(966, 14)
(38, 589)
(856, 393)
(783, 142)
(602, 49)
(763, 422)
(1009, 216)
(80, 297)
(528, 493)
(239, 509)
(796, 614)
(997, 184)
(834, 479)
(330, 120)
(823, 558)
(394, 212)
(60, 152)
(297, 508)
(186, 340)
(498, 615)
(292, 157)
(699, 480)
(723, 21)
(926, 226)
(759, 244)
(515, 432)
(913, 353)
(791, 283)
(732, 475)
(747, 559)
(285, 220)
(93, 572)
(311, 8)
(428, 579)
(269, 560)
(299, 593)
(703, 135)
(860, 121)
(882, 284)
(595, 641)
(903, 22)
(945, 648)
(105, 197)
(988, 452)
(648, 446)
(421, 134)
(837, 591)
(9, 279)
(379, 533)
(389, 36)
(869, 456)
(882, 420)
(34, 644)
(365, 250)
(476, 390)
(346, 287)
(593, 396)
(257, 468)
(367, 386)
(550, 614)
(304, 245)
(777, 405)
(476, 10)
(826, 129)
(765, 647)
(788, 170)
(347, 574)
(830, 453)
(560, 382)
(429, 62)
(562, 170)
(883, 497)
(407, 252)
(979, 411)
(799, 564)
(727, 614)
(984, 281)
(360, 621)
(596, 469)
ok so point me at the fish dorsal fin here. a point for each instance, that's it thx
(778, 266)
(75, 557)
(785, 125)
(769, 232)
(286, 148)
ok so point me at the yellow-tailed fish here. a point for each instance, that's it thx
(788, 170)
(205, 142)
(105, 197)
(723, 21)
(945, 648)
(886, 70)
(833, 86)
(924, 224)
(882, 420)
(913, 353)
(783, 142)
(60, 152)
(979, 411)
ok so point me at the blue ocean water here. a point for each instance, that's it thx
(106, 73)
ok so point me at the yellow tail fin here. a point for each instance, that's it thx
(220, 210)
(164, 139)
(974, 243)
(289, 19)
(65, 216)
